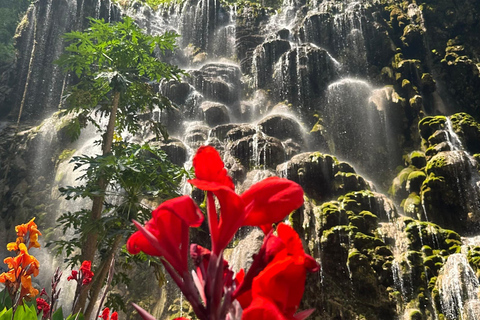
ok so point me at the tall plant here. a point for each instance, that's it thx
(113, 65)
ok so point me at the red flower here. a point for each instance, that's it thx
(105, 314)
(282, 280)
(44, 306)
(270, 201)
(265, 203)
(86, 271)
(73, 276)
(167, 233)
(210, 171)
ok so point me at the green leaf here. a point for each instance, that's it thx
(24, 312)
(58, 315)
(76, 316)
(5, 300)
(6, 314)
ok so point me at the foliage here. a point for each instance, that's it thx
(115, 57)
(11, 12)
(115, 65)
(134, 172)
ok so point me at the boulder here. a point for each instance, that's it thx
(282, 127)
(215, 113)
(218, 82)
(258, 150)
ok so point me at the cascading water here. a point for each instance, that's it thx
(337, 68)
(459, 289)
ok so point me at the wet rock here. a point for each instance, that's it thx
(258, 150)
(291, 148)
(429, 125)
(218, 82)
(241, 257)
(302, 74)
(220, 131)
(264, 58)
(314, 171)
(282, 127)
(176, 91)
(415, 180)
(241, 131)
(451, 191)
(215, 113)
(468, 130)
(195, 135)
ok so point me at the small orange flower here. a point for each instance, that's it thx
(22, 267)
(27, 232)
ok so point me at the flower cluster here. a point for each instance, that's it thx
(18, 279)
(47, 305)
(273, 286)
(26, 233)
(84, 275)
(106, 315)
(43, 305)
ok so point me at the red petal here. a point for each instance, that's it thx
(137, 242)
(184, 208)
(210, 170)
(231, 217)
(294, 246)
(264, 309)
(270, 201)
(283, 282)
(302, 315)
(170, 227)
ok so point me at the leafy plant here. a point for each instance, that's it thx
(114, 65)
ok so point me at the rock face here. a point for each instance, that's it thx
(330, 94)
(36, 80)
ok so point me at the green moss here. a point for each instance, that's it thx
(363, 241)
(428, 125)
(417, 159)
(330, 214)
(415, 180)
(412, 205)
(437, 162)
(403, 175)
(415, 315)
(66, 154)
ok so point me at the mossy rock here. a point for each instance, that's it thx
(363, 276)
(434, 262)
(436, 164)
(371, 220)
(415, 315)
(364, 242)
(412, 206)
(415, 258)
(468, 131)
(415, 180)
(329, 215)
(428, 125)
(357, 201)
(348, 181)
(314, 171)
(417, 159)
(428, 84)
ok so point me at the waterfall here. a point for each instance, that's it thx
(326, 93)
(459, 289)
